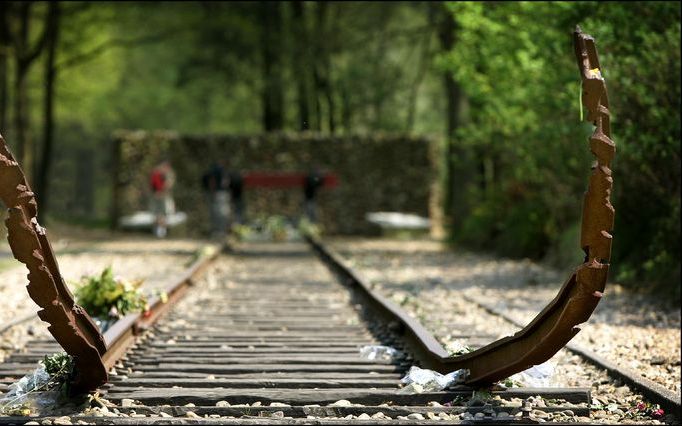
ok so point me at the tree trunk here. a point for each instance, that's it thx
(424, 61)
(323, 89)
(456, 178)
(43, 179)
(21, 131)
(273, 93)
(24, 147)
(301, 62)
(24, 56)
(346, 110)
(4, 53)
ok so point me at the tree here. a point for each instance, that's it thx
(43, 172)
(301, 62)
(514, 61)
(322, 69)
(273, 93)
(5, 41)
(25, 54)
(456, 177)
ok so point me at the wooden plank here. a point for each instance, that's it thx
(331, 375)
(263, 342)
(245, 341)
(322, 314)
(226, 326)
(221, 311)
(218, 344)
(275, 331)
(260, 382)
(203, 396)
(246, 368)
(241, 351)
(137, 361)
(271, 321)
(189, 351)
(324, 411)
(254, 420)
(9, 367)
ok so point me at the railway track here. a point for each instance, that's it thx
(269, 334)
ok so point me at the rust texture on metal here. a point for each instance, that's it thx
(558, 322)
(70, 325)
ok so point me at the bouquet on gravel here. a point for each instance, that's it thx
(46, 386)
(107, 298)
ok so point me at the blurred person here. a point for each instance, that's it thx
(215, 183)
(162, 180)
(236, 187)
(313, 181)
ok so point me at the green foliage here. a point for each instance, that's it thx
(241, 232)
(510, 383)
(456, 348)
(60, 368)
(306, 227)
(204, 252)
(276, 227)
(515, 62)
(104, 296)
(480, 397)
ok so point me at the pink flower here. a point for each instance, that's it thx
(641, 406)
(657, 414)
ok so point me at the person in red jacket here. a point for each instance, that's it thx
(162, 180)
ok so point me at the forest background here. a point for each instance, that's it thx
(495, 83)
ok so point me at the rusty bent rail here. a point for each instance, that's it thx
(70, 325)
(558, 322)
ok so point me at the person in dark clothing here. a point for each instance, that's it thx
(313, 181)
(214, 183)
(236, 187)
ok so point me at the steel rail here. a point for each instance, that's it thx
(121, 335)
(558, 322)
(15, 322)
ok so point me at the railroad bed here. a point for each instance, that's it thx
(269, 335)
